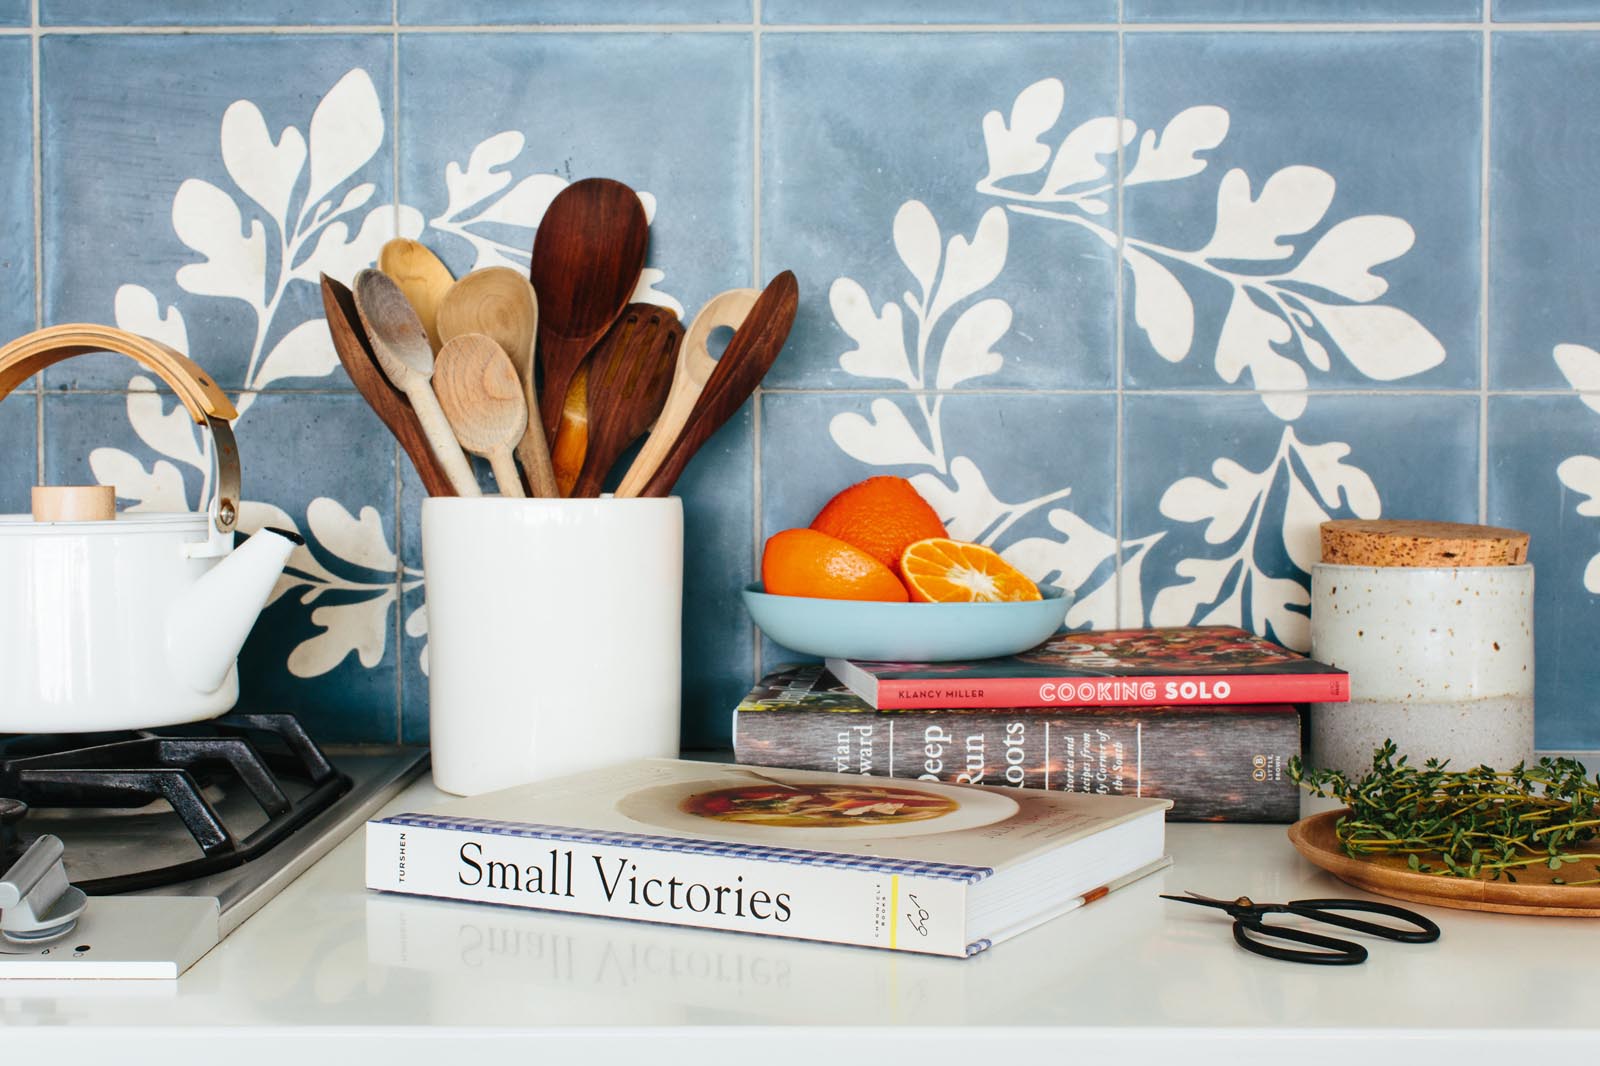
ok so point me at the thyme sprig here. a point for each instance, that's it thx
(1467, 823)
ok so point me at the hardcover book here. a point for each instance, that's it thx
(1214, 763)
(920, 866)
(1182, 666)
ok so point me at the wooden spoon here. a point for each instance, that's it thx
(694, 367)
(572, 435)
(499, 302)
(402, 350)
(482, 398)
(421, 276)
(587, 257)
(629, 375)
(388, 402)
(749, 356)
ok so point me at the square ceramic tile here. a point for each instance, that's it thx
(16, 188)
(319, 464)
(1301, 10)
(1547, 10)
(719, 520)
(891, 206)
(1544, 477)
(1542, 228)
(180, 170)
(491, 127)
(936, 11)
(490, 12)
(19, 471)
(16, 13)
(1290, 226)
(213, 13)
(1222, 501)
(1031, 475)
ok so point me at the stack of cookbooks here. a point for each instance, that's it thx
(1199, 715)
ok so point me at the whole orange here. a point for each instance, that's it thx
(881, 516)
(803, 562)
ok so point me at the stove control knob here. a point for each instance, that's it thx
(37, 902)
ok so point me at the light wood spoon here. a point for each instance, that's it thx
(688, 379)
(421, 276)
(572, 434)
(587, 257)
(401, 347)
(482, 398)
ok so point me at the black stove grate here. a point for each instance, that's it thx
(258, 752)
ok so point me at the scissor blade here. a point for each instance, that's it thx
(1196, 898)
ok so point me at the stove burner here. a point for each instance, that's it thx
(11, 812)
(257, 751)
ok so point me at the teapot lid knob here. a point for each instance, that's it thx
(74, 503)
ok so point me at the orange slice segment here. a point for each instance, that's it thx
(938, 570)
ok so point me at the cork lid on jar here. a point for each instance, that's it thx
(1407, 542)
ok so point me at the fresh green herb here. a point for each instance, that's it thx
(1467, 823)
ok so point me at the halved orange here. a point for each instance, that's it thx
(939, 570)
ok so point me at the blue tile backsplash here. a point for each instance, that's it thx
(1138, 293)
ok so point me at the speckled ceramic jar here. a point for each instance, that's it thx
(1440, 661)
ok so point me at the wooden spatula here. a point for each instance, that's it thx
(695, 365)
(749, 356)
(388, 402)
(482, 398)
(629, 375)
(587, 257)
(421, 276)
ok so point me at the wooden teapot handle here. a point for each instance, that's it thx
(207, 404)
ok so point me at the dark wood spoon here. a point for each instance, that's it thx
(745, 362)
(388, 402)
(629, 377)
(587, 257)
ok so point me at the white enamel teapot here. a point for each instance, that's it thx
(126, 621)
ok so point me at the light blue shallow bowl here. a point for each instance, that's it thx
(916, 632)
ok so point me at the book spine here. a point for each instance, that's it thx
(903, 912)
(1226, 767)
(1199, 690)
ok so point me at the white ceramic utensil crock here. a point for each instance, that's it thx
(134, 622)
(554, 635)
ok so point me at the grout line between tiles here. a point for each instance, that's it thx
(1483, 279)
(1118, 338)
(399, 480)
(755, 281)
(375, 29)
(1019, 392)
(38, 240)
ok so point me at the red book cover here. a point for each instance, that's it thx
(1182, 666)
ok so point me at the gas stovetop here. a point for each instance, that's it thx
(176, 835)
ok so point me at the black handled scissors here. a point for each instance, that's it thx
(1250, 925)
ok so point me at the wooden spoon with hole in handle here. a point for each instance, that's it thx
(499, 302)
(587, 257)
(629, 375)
(749, 356)
(694, 367)
(406, 359)
(388, 402)
(421, 276)
(482, 398)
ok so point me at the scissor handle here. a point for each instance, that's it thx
(1337, 952)
(1327, 910)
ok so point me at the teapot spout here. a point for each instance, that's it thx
(208, 625)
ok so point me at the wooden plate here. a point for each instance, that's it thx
(1387, 876)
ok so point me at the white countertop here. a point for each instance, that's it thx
(330, 972)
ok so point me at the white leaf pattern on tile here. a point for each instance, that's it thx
(266, 172)
(1172, 155)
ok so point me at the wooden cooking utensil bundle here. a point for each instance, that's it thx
(563, 372)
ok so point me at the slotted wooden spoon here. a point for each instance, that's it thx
(749, 356)
(403, 353)
(388, 402)
(688, 379)
(482, 398)
(499, 303)
(629, 375)
(587, 257)
(421, 276)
